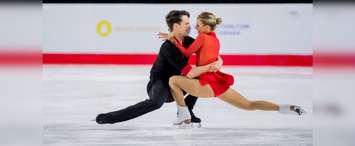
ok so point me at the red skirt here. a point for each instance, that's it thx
(218, 81)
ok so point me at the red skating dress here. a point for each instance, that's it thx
(206, 46)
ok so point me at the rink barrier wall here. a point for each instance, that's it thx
(146, 59)
(282, 60)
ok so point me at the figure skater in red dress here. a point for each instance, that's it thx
(214, 83)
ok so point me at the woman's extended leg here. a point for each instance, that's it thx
(233, 97)
(193, 86)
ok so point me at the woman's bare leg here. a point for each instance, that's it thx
(233, 97)
(193, 86)
(178, 84)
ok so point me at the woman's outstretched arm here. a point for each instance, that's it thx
(194, 47)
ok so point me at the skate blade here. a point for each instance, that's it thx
(188, 126)
(184, 126)
(196, 125)
(188, 121)
(302, 112)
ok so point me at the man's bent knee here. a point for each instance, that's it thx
(157, 103)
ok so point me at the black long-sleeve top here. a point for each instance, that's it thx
(170, 61)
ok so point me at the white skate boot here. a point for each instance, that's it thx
(291, 109)
(183, 117)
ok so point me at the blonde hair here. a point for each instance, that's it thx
(208, 18)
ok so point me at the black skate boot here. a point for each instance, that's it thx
(196, 122)
(104, 119)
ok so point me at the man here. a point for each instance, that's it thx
(170, 62)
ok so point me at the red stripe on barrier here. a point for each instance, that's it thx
(98, 58)
(144, 59)
(20, 58)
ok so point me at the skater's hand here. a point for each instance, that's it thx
(215, 66)
(166, 36)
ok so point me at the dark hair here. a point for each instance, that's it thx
(208, 18)
(174, 16)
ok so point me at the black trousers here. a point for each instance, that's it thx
(159, 93)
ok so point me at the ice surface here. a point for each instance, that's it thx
(74, 95)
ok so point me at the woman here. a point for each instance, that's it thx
(212, 84)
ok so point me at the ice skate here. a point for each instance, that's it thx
(183, 116)
(292, 109)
